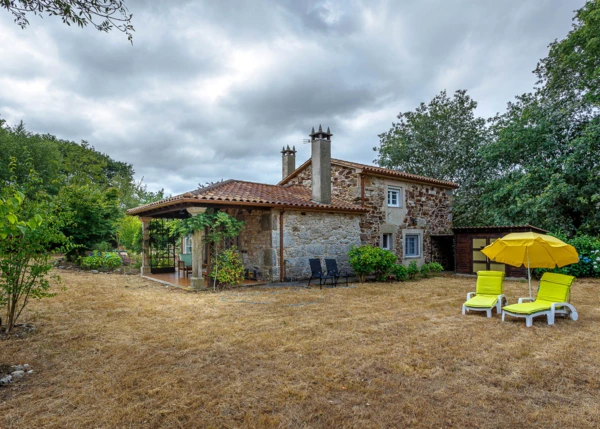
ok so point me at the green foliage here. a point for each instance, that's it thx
(424, 271)
(366, 260)
(103, 15)
(440, 140)
(430, 269)
(543, 167)
(129, 234)
(92, 189)
(229, 268)
(101, 260)
(412, 270)
(219, 226)
(400, 272)
(435, 268)
(572, 67)
(33, 231)
(94, 215)
(103, 246)
(589, 258)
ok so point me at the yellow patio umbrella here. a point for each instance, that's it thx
(531, 250)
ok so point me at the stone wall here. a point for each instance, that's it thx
(426, 208)
(254, 241)
(315, 235)
(345, 182)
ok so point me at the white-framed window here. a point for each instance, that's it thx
(412, 246)
(394, 197)
(386, 241)
(187, 244)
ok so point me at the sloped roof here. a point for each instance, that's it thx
(500, 228)
(241, 192)
(377, 171)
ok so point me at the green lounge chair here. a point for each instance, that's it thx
(489, 293)
(552, 299)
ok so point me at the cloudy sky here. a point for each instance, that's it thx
(213, 89)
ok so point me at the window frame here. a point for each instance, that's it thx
(417, 238)
(390, 240)
(187, 244)
(393, 190)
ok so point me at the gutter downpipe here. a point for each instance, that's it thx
(281, 260)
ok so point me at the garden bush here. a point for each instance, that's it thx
(229, 269)
(400, 272)
(99, 260)
(412, 270)
(431, 269)
(589, 258)
(366, 260)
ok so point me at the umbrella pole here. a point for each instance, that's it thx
(529, 272)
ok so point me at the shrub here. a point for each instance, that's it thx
(400, 272)
(366, 260)
(229, 269)
(412, 270)
(425, 270)
(103, 246)
(435, 268)
(107, 260)
(589, 258)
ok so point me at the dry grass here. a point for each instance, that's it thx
(115, 351)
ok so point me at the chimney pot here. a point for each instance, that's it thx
(288, 161)
(321, 166)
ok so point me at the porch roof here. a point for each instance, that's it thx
(243, 193)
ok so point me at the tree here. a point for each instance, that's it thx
(93, 215)
(104, 15)
(440, 140)
(30, 231)
(572, 67)
(543, 166)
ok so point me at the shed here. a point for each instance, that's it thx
(471, 239)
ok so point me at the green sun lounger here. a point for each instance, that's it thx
(552, 299)
(489, 293)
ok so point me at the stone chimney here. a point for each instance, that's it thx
(288, 161)
(321, 165)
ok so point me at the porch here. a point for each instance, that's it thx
(181, 281)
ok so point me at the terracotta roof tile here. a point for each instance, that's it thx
(377, 171)
(260, 194)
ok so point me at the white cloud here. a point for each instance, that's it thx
(212, 90)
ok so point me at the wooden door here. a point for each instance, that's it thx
(479, 261)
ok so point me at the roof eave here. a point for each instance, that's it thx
(195, 202)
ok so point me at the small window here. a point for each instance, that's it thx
(386, 241)
(187, 244)
(412, 247)
(394, 197)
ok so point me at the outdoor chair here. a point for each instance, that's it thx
(489, 293)
(552, 299)
(253, 273)
(332, 270)
(317, 273)
(185, 264)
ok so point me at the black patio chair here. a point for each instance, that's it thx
(317, 273)
(332, 270)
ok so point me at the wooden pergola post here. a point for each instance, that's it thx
(145, 269)
(197, 280)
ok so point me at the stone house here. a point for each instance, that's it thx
(320, 210)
